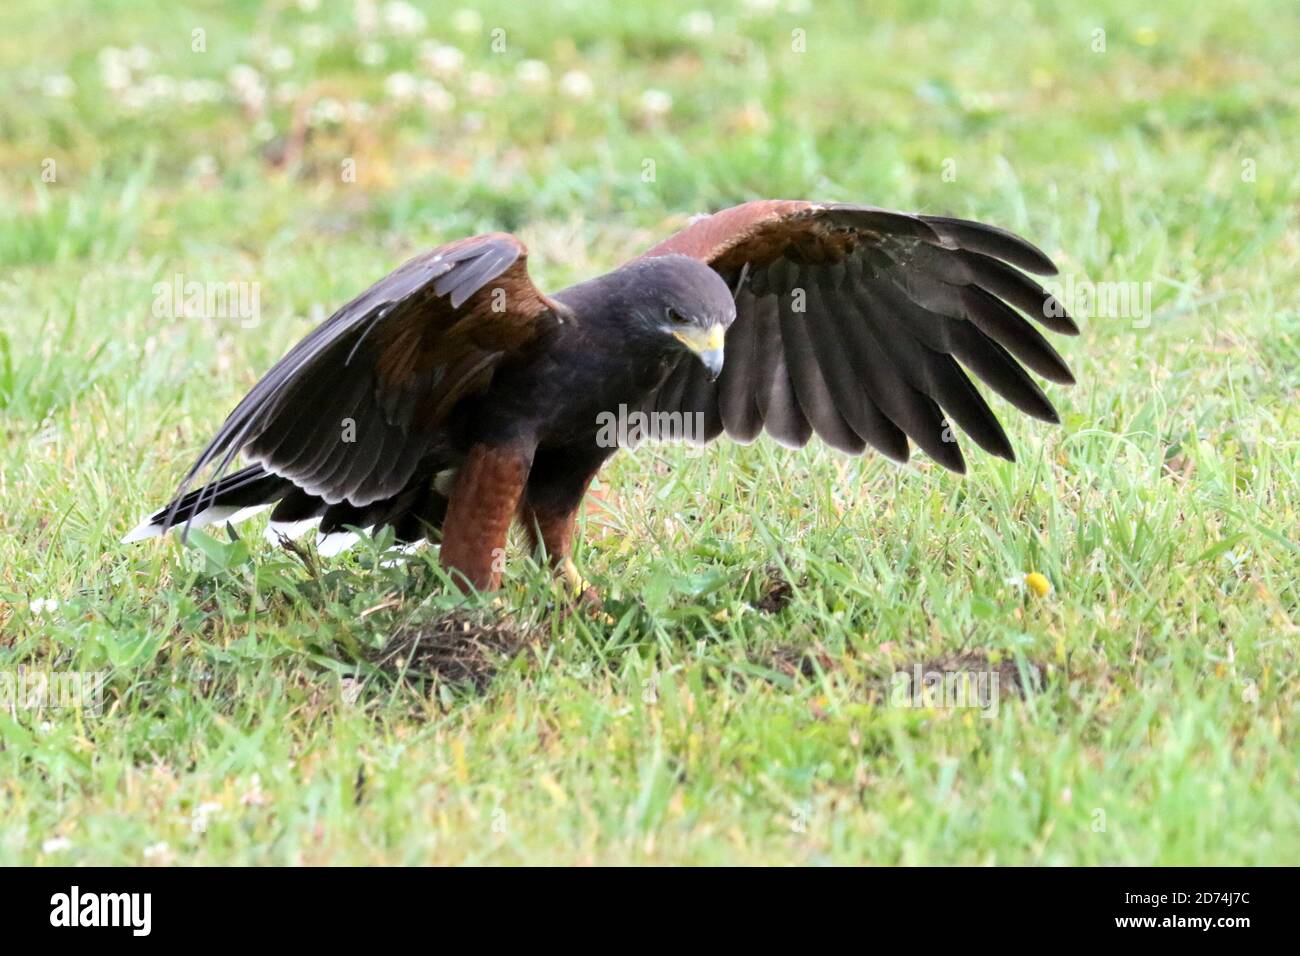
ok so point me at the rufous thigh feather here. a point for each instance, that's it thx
(483, 504)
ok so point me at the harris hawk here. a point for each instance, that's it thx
(454, 397)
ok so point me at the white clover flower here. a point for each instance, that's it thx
(533, 73)
(56, 845)
(401, 86)
(467, 21)
(113, 69)
(314, 36)
(242, 76)
(158, 851)
(116, 76)
(203, 166)
(655, 103)
(138, 58)
(249, 87)
(158, 87)
(58, 86)
(435, 96)
(203, 814)
(200, 91)
(280, 59)
(576, 85)
(371, 53)
(253, 796)
(326, 111)
(402, 18)
(441, 60)
(134, 98)
(698, 23)
(41, 606)
(480, 84)
(366, 14)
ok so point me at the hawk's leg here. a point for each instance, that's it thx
(485, 499)
(552, 533)
(549, 512)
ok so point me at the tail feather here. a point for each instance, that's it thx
(414, 513)
(233, 498)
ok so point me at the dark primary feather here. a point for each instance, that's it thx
(992, 241)
(892, 304)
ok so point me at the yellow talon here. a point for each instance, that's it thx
(582, 594)
(573, 577)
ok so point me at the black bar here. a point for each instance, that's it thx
(330, 906)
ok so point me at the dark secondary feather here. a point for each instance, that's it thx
(893, 306)
(349, 414)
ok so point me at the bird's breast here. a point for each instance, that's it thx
(566, 394)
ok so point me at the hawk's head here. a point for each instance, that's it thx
(683, 304)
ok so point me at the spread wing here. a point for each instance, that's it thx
(351, 410)
(855, 323)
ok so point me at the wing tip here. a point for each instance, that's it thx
(948, 454)
(1054, 316)
(1063, 376)
(996, 241)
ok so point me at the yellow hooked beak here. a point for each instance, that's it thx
(707, 344)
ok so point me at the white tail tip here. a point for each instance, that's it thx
(145, 529)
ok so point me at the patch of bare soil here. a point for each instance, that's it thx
(809, 662)
(800, 661)
(1008, 671)
(775, 592)
(461, 647)
(975, 664)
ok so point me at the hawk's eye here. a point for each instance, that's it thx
(676, 318)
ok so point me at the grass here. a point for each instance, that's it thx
(734, 707)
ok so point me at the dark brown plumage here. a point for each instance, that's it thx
(453, 397)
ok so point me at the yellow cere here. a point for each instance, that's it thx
(698, 340)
